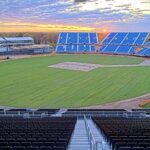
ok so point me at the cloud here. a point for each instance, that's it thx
(81, 13)
(33, 27)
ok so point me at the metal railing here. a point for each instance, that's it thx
(93, 142)
(32, 113)
(25, 114)
(141, 114)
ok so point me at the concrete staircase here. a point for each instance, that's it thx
(79, 140)
(98, 136)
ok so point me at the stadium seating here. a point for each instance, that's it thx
(124, 133)
(22, 112)
(16, 111)
(109, 38)
(76, 42)
(118, 39)
(130, 38)
(144, 52)
(114, 43)
(109, 49)
(116, 129)
(47, 111)
(125, 50)
(32, 134)
(123, 43)
(62, 38)
(144, 110)
(95, 112)
(114, 49)
(141, 38)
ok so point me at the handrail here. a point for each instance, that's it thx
(99, 142)
(141, 114)
(93, 143)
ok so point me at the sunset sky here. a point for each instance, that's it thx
(74, 15)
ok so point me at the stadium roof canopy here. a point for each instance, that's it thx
(1, 39)
(18, 38)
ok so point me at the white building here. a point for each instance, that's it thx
(22, 45)
(14, 41)
(7, 42)
(32, 49)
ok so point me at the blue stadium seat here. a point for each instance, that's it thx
(93, 38)
(61, 48)
(84, 38)
(132, 50)
(92, 48)
(123, 43)
(144, 52)
(84, 48)
(76, 42)
(102, 48)
(147, 53)
(71, 48)
(108, 39)
(118, 38)
(141, 39)
(126, 49)
(131, 38)
(72, 38)
(110, 49)
(62, 38)
(114, 43)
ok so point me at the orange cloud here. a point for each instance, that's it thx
(31, 27)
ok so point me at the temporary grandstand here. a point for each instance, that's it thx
(74, 129)
(124, 43)
(76, 42)
(144, 52)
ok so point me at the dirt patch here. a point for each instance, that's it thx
(88, 67)
(144, 103)
(75, 66)
(2, 58)
(146, 62)
(133, 103)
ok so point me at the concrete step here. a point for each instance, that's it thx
(79, 139)
(98, 136)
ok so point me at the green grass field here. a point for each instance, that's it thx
(30, 83)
